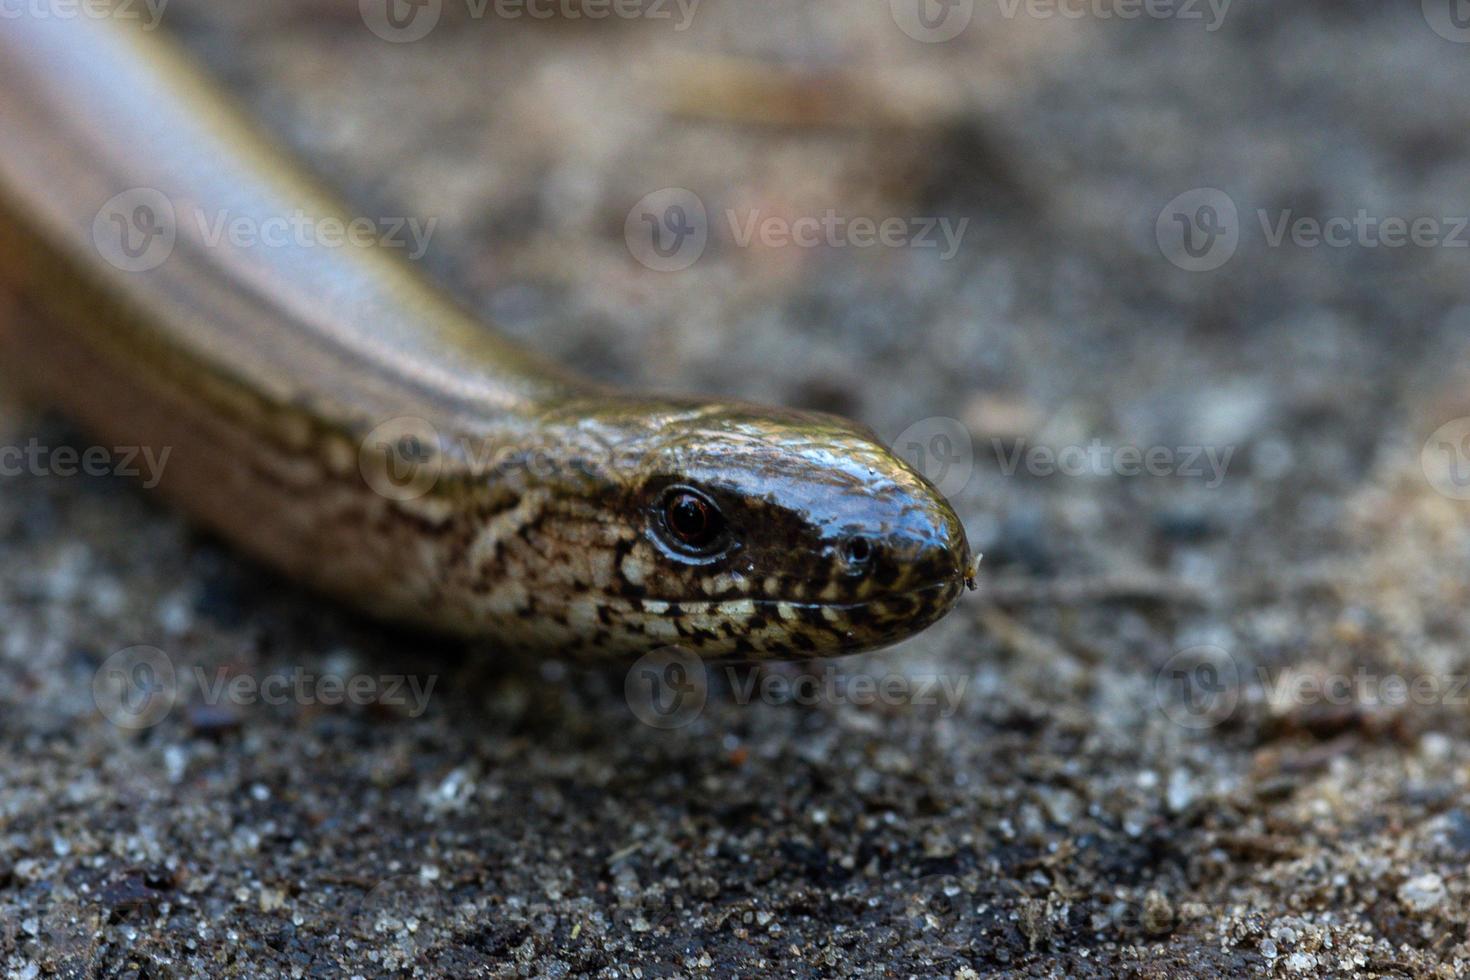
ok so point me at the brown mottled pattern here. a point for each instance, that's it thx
(265, 370)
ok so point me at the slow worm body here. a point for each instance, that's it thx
(332, 414)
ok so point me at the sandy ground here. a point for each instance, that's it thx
(1208, 714)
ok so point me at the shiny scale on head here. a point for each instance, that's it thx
(737, 531)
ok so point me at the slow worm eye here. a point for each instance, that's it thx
(691, 521)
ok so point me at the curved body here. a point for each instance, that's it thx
(335, 416)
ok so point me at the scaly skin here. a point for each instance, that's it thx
(336, 417)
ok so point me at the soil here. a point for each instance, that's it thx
(1206, 715)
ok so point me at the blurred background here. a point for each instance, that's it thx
(1168, 298)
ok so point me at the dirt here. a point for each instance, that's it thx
(1205, 716)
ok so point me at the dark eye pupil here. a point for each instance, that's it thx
(690, 522)
(689, 517)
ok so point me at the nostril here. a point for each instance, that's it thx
(858, 551)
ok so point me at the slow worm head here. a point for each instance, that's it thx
(334, 415)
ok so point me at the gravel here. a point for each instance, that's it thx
(1206, 715)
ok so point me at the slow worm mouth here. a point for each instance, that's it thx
(767, 602)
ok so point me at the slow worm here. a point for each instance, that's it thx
(332, 414)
